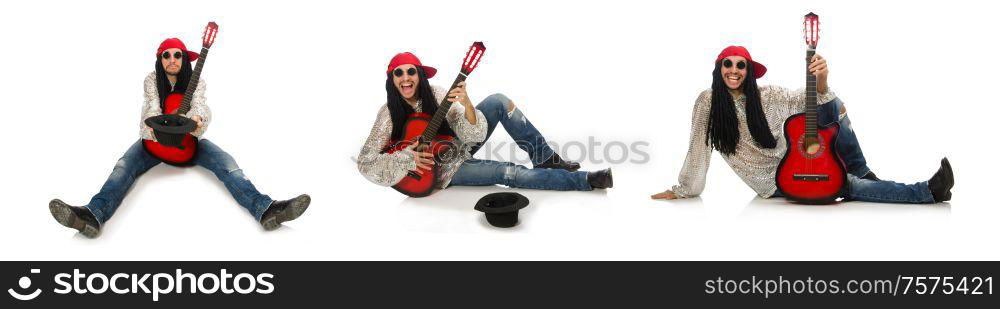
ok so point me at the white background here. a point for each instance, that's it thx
(295, 86)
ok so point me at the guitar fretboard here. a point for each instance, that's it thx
(811, 96)
(193, 84)
(439, 116)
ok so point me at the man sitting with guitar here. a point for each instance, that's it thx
(172, 75)
(744, 122)
(408, 92)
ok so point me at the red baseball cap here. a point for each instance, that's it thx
(758, 69)
(176, 43)
(408, 58)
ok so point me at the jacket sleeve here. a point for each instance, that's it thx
(691, 181)
(199, 107)
(383, 169)
(150, 106)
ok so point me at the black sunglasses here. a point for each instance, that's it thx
(166, 55)
(739, 65)
(399, 72)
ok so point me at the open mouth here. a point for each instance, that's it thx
(406, 86)
(734, 78)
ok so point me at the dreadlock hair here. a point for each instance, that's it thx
(723, 131)
(399, 109)
(163, 88)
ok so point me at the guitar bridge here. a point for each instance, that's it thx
(414, 175)
(811, 177)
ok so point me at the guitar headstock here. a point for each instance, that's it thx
(472, 57)
(810, 29)
(211, 30)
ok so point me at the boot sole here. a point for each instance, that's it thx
(611, 180)
(297, 207)
(65, 216)
(951, 179)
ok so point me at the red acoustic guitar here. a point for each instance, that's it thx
(179, 104)
(811, 171)
(422, 128)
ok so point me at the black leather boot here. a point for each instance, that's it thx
(558, 163)
(942, 181)
(75, 217)
(601, 179)
(282, 211)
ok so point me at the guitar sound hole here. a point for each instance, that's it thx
(811, 147)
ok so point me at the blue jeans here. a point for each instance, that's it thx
(475, 172)
(884, 191)
(847, 142)
(524, 134)
(137, 161)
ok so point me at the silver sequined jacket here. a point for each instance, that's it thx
(151, 107)
(387, 169)
(755, 165)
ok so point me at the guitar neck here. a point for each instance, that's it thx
(442, 111)
(811, 96)
(193, 83)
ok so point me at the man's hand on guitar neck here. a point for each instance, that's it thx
(459, 95)
(423, 159)
(818, 67)
(197, 119)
